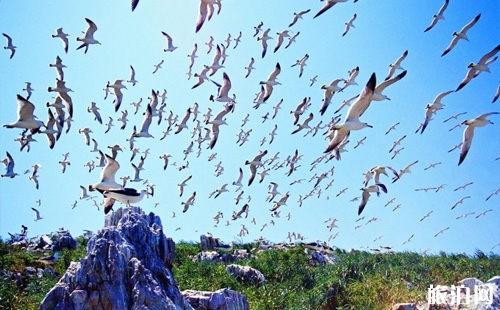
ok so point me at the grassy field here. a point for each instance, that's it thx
(358, 280)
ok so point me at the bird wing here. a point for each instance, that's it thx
(92, 28)
(147, 119)
(380, 88)
(109, 170)
(363, 101)
(25, 109)
(470, 24)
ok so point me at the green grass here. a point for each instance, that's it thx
(356, 281)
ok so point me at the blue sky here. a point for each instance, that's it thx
(383, 31)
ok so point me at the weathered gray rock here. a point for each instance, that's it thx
(223, 299)
(208, 243)
(64, 241)
(318, 257)
(214, 256)
(246, 274)
(127, 266)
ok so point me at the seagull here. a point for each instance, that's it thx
(301, 63)
(189, 202)
(92, 108)
(297, 16)
(281, 36)
(84, 194)
(330, 90)
(50, 131)
(28, 90)
(349, 24)
(165, 158)
(292, 39)
(496, 95)
(59, 67)
(431, 108)
(438, 16)
(132, 80)
(25, 117)
(64, 38)
(117, 86)
(9, 46)
(63, 91)
(37, 214)
(86, 134)
(263, 39)
(254, 163)
(88, 37)
(396, 143)
(484, 213)
(182, 184)
(351, 121)
(170, 46)
(9, 164)
(270, 82)
(221, 190)
(460, 201)
(158, 66)
(258, 28)
(107, 181)
(202, 76)
(393, 126)
(304, 125)
(126, 195)
(426, 216)
(144, 132)
(244, 209)
(462, 34)
(250, 67)
(216, 123)
(396, 65)
(237, 40)
(468, 134)
(482, 65)
(206, 8)
(441, 231)
(238, 180)
(183, 123)
(327, 6)
(223, 90)
(351, 80)
(375, 188)
(403, 171)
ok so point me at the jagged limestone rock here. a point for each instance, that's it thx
(246, 274)
(127, 266)
(223, 299)
(64, 240)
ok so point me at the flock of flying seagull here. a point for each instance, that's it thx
(207, 131)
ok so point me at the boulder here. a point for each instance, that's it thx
(223, 299)
(208, 243)
(246, 274)
(127, 266)
(64, 241)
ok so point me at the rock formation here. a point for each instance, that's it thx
(64, 240)
(246, 274)
(223, 299)
(128, 266)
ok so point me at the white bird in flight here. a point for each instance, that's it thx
(88, 36)
(468, 134)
